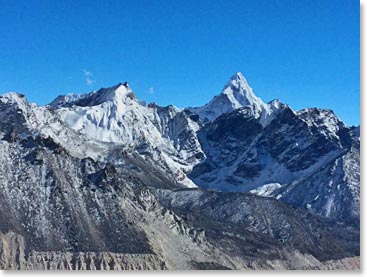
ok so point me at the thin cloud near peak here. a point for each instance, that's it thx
(151, 90)
(88, 77)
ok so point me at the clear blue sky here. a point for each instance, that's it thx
(305, 53)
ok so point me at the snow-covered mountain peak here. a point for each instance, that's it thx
(237, 81)
(276, 104)
(324, 120)
(119, 94)
(238, 77)
(12, 97)
(236, 94)
(320, 117)
(240, 94)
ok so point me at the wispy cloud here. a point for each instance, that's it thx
(88, 77)
(151, 90)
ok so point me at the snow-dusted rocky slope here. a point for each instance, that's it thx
(78, 173)
(58, 211)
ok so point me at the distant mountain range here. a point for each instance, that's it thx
(103, 180)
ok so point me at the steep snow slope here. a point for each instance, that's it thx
(115, 115)
(22, 120)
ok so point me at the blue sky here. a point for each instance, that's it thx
(305, 53)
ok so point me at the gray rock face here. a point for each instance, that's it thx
(293, 150)
(103, 181)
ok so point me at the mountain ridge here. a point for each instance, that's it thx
(185, 141)
(183, 187)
